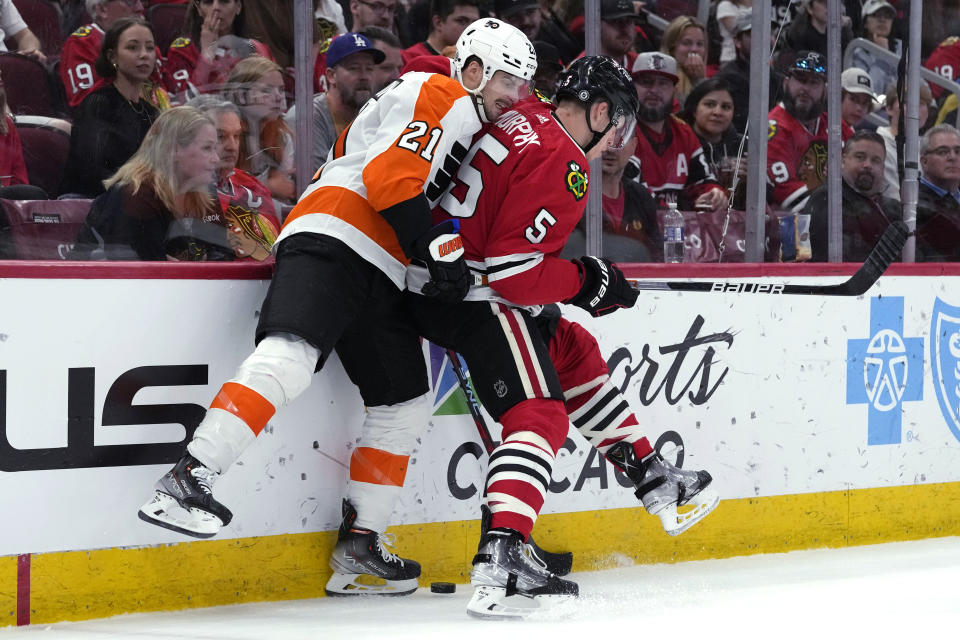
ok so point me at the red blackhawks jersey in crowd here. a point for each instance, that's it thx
(945, 61)
(671, 163)
(796, 158)
(80, 51)
(518, 194)
(248, 212)
(186, 67)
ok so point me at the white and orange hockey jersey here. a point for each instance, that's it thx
(407, 141)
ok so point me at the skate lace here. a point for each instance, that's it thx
(204, 478)
(385, 540)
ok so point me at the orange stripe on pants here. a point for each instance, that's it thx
(246, 404)
(376, 466)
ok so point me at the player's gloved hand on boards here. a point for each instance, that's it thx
(603, 287)
(441, 250)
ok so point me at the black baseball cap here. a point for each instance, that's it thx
(613, 9)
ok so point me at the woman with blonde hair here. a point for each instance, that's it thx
(256, 86)
(160, 205)
(686, 40)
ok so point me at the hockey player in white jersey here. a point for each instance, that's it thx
(341, 259)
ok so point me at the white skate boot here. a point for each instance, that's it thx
(362, 565)
(663, 487)
(183, 501)
(509, 584)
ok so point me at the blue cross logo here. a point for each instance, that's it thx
(885, 370)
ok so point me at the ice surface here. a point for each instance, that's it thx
(897, 590)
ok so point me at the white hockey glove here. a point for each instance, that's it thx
(603, 287)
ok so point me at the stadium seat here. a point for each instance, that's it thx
(43, 17)
(40, 229)
(167, 21)
(45, 151)
(29, 86)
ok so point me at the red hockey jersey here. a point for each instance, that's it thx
(945, 61)
(672, 163)
(518, 194)
(248, 212)
(80, 51)
(796, 158)
(186, 67)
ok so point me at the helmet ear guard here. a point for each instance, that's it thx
(593, 79)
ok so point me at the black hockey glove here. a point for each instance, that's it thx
(441, 250)
(603, 287)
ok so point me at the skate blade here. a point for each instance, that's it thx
(675, 523)
(164, 511)
(361, 584)
(493, 603)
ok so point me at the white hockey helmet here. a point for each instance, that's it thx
(500, 47)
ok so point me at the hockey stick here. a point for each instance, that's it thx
(887, 250)
(556, 563)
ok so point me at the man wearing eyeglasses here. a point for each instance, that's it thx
(797, 134)
(373, 13)
(938, 200)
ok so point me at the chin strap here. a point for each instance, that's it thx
(597, 135)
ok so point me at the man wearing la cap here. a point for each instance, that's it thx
(668, 157)
(350, 66)
(797, 135)
(856, 96)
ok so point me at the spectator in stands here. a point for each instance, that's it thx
(729, 13)
(256, 86)
(158, 205)
(549, 66)
(865, 211)
(808, 31)
(945, 61)
(736, 73)
(709, 110)
(373, 13)
(12, 168)
(668, 158)
(877, 26)
(891, 172)
(448, 19)
(214, 39)
(618, 31)
(856, 96)
(13, 27)
(389, 70)
(245, 204)
(73, 15)
(523, 14)
(78, 57)
(797, 135)
(351, 62)
(685, 40)
(554, 30)
(110, 123)
(938, 201)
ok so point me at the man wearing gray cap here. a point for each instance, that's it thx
(856, 96)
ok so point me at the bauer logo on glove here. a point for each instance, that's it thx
(603, 287)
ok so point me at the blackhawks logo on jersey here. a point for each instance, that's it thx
(576, 180)
(771, 129)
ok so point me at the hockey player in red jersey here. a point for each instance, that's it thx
(341, 261)
(797, 137)
(518, 194)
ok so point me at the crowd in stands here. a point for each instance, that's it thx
(181, 138)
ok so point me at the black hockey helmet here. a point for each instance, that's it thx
(593, 79)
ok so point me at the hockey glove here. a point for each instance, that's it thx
(603, 287)
(441, 250)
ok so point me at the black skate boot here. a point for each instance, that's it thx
(508, 583)
(362, 565)
(559, 564)
(663, 487)
(183, 501)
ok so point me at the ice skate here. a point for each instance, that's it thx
(662, 488)
(509, 584)
(362, 565)
(183, 501)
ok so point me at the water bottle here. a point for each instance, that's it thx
(672, 234)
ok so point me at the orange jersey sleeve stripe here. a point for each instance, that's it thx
(246, 404)
(376, 466)
(353, 209)
(400, 173)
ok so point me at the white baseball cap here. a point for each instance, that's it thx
(655, 62)
(854, 80)
(870, 7)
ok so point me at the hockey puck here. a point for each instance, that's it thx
(443, 587)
